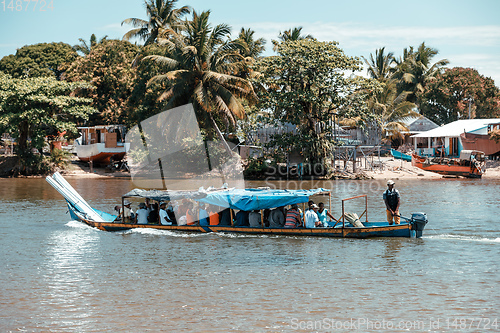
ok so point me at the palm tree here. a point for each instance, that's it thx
(162, 15)
(198, 71)
(379, 66)
(250, 50)
(392, 109)
(293, 34)
(85, 48)
(414, 70)
(248, 46)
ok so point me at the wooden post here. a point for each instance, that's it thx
(354, 157)
(231, 214)
(262, 218)
(330, 202)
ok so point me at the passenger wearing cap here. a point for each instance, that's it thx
(392, 201)
(164, 218)
(142, 214)
(126, 212)
(311, 218)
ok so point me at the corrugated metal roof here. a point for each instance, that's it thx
(455, 128)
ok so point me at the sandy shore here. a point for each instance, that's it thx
(389, 168)
(398, 169)
(82, 170)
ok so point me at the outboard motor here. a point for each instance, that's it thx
(418, 221)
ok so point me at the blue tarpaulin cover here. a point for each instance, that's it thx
(257, 199)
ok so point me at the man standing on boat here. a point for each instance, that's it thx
(392, 201)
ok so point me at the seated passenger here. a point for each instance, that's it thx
(171, 213)
(323, 214)
(277, 218)
(311, 217)
(164, 219)
(242, 219)
(254, 219)
(126, 212)
(190, 214)
(293, 219)
(225, 217)
(153, 214)
(142, 214)
(203, 215)
(213, 215)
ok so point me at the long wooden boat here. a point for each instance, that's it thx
(469, 165)
(100, 144)
(481, 142)
(400, 156)
(247, 200)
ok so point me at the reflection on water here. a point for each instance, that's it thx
(63, 276)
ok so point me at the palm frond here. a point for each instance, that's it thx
(135, 22)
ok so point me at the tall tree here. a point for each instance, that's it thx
(85, 47)
(392, 109)
(44, 59)
(458, 90)
(198, 70)
(33, 108)
(416, 69)
(293, 34)
(108, 68)
(250, 50)
(306, 83)
(248, 45)
(380, 66)
(162, 16)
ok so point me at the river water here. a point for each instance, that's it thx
(58, 275)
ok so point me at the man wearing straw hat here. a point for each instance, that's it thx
(392, 202)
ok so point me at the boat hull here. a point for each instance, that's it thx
(99, 153)
(398, 230)
(451, 169)
(399, 155)
(471, 141)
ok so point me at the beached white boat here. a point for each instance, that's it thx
(100, 144)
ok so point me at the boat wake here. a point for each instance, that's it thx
(149, 231)
(465, 238)
(78, 225)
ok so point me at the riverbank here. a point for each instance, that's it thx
(386, 168)
(398, 169)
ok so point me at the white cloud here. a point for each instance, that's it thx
(454, 43)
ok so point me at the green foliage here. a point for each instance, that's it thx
(44, 59)
(59, 157)
(85, 47)
(415, 70)
(33, 108)
(380, 66)
(495, 136)
(255, 168)
(197, 70)
(144, 99)
(163, 16)
(306, 83)
(447, 98)
(108, 67)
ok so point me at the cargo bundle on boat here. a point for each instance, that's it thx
(251, 201)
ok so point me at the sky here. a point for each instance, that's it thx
(465, 32)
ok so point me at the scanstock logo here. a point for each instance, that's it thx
(168, 152)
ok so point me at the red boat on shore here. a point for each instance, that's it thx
(470, 164)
